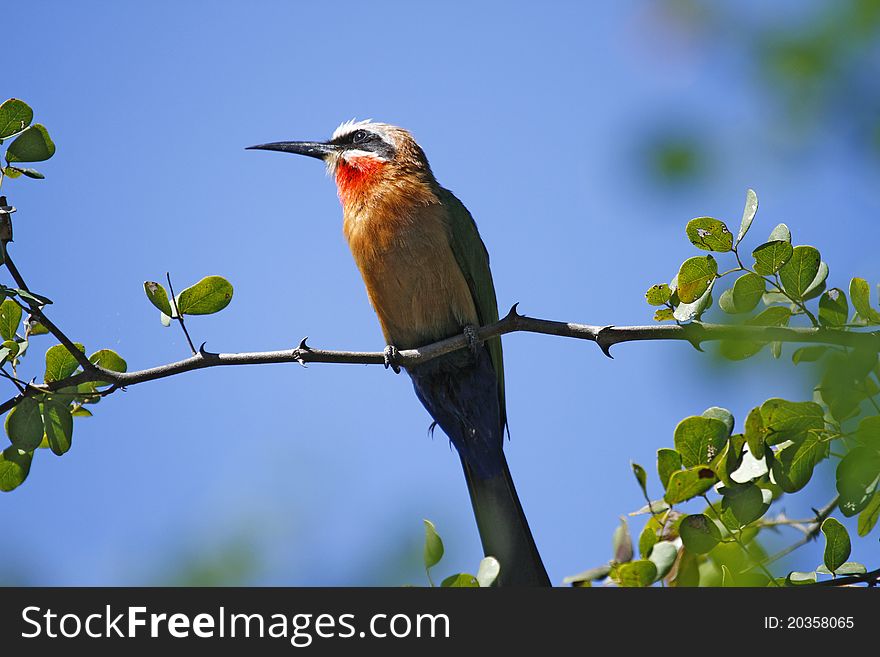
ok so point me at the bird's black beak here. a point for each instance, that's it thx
(316, 149)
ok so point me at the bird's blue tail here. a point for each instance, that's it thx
(460, 392)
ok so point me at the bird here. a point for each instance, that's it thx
(426, 272)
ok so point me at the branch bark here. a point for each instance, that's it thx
(36, 311)
(604, 336)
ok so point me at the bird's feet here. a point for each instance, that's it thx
(473, 341)
(391, 355)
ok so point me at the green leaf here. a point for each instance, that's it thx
(833, 308)
(637, 573)
(685, 312)
(718, 413)
(8, 350)
(771, 298)
(686, 484)
(58, 426)
(770, 256)
(727, 580)
(860, 293)
(24, 425)
(664, 314)
(786, 420)
(10, 318)
(668, 461)
(488, 571)
(747, 292)
(817, 286)
(686, 571)
(210, 295)
(14, 467)
(641, 477)
(869, 515)
(699, 439)
(33, 327)
(837, 544)
(699, 534)
(79, 411)
(28, 296)
(433, 545)
(17, 172)
(32, 145)
(15, 116)
(657, 295)
(663, 557)
(725, 302)
(741, 349)
(749, 213)
(845, 383)
(709, 234)
(754, 433)
(621, 543)
(857, 475)
(798, 274)
(587, 576)
(158, 296)
(793, 465)
(848, 568)
(460, 581)
(749, 469)
(745, 502)
(796, 578)
(781, 232)
(30, 173)
(656, 506)
(60, 363)
(868, 432)
(647, 540)
(109, 360)
(809, 354)
(694, 277)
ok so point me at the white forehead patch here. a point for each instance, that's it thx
(385, 131)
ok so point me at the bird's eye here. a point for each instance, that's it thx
(359, 137)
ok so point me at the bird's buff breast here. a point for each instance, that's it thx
(412, 278)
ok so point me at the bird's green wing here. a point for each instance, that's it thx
(472, 257)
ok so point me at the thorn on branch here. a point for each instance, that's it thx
(513, 313)
(303, 347)
(604, 345)
(204, 353)
(695, 340)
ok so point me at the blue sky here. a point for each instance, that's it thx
(535, 116)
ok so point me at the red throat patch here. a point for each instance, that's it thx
(356, 175)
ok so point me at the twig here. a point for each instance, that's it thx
(871, 578)
(810, 533)
(16, 382)
(179, 315)
(742, 545)
(37, 312)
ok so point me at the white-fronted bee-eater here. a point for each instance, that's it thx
(427, 275)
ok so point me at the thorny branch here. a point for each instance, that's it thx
(604, 336)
